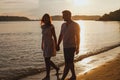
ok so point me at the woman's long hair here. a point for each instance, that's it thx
(46, 19)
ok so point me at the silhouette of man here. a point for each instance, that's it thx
(70, 34)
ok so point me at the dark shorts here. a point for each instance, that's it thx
(69, 54)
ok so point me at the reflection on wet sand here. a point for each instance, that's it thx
(94, 61)
(108, 71)
(85, 66)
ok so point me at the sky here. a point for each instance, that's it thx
(37, 8)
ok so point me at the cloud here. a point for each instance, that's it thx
(18, 4)
(18, 7)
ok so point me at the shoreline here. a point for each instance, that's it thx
(85, 66)
(32, 71)
(108, 71)
(102, 50)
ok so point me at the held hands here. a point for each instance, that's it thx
(77, 50)
(57, 48)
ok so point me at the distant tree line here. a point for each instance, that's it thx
(55, 17)
(77, 17)
(86, 17)
(112, 16)
(13, 18)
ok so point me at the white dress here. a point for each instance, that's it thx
(49, 49)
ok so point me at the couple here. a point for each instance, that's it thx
(70, 34)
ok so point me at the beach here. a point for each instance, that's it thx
(108, 71)
(103, 66)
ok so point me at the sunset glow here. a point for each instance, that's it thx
(80, 2)
(37, 8)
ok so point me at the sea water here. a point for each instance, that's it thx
(20, 44)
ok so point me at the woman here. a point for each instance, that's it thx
(49, 44)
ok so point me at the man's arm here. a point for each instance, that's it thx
(77, 39)
(59, 41)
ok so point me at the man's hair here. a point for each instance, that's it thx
(67, 12)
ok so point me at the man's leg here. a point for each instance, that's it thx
(72, 52)
(72, 70)
(66, 68)
(65, 72)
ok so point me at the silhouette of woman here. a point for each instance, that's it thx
(49, 44)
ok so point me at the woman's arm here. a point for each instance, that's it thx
(54, 35)
(42, 43)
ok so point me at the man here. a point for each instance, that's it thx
(70, 34)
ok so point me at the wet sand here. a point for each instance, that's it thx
(108, 71)
(104, 66)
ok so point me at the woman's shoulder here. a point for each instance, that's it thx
(52, 26)
(42, 26)
(47, 26)
(63, 24)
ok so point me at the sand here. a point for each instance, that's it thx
(108, 71)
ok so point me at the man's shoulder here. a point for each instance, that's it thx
(63, 25)
(75, 24)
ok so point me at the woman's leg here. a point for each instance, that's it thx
(47, 63)
(54, 66)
